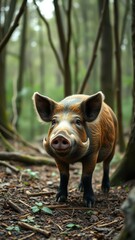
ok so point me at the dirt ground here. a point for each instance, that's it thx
(27, 199)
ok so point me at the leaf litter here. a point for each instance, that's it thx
(28, 207)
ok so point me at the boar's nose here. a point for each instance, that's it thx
(60, 143)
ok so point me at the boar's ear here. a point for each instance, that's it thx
(91, 106)
(44, 106)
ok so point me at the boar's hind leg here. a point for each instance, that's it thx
(64, 177)
(105, 181)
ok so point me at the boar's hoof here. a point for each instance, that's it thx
(89, 201)
(105, 187)
(61, 197)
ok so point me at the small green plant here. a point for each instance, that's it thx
(13, 228)
(73, 226)
(32, 174)
(89, 212)
(40, 207)
(29, 219)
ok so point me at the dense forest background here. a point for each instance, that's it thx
(59, 48)
(31, 64)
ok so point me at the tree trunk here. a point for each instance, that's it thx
(128, 207)
(21, 67)
(7, 17)
(106, 77)
(3, 115)
(64, 45)
(126, 169)
(118, 76)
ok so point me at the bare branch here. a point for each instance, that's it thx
(13, 27)
(87, 76)
(50, 37)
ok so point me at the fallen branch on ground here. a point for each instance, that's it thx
(15, 206)
(39, 194)
(6, 143)
(15, 135)
(9, 166)
(35, 229)
(19, 157)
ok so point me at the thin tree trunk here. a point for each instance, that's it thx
(64, 45)
(21, 67)
(95, 47)
(42, 59)
(76, 42)
(106, 77)
(118, 77)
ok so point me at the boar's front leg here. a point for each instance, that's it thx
(86, 181)
(64, 177)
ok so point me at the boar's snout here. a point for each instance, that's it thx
(60, 143)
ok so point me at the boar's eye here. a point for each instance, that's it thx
(78, 122)
(53, 122)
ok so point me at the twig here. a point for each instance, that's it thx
(107, 224)
(39, 194)
(19, 157)
(61, 229)
(15, 206)
(35, 229)
(14, 26)
(27, 237)
(87, 76)
(91, 226)
(27, 205)
(65, 207)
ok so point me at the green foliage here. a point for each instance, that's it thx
(13, 228)
(50, 82)
(40, 207)
(73, 226)
(29, 219)
(32, 174)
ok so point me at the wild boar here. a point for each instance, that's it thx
(83, 129)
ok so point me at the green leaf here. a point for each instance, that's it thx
(32, 174)
(39, 204)
(47, 210)
(73, 225)
(10, 228)
(35, 209)
(17, 229)
(28, 219)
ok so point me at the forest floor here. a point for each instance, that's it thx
(21, 208)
